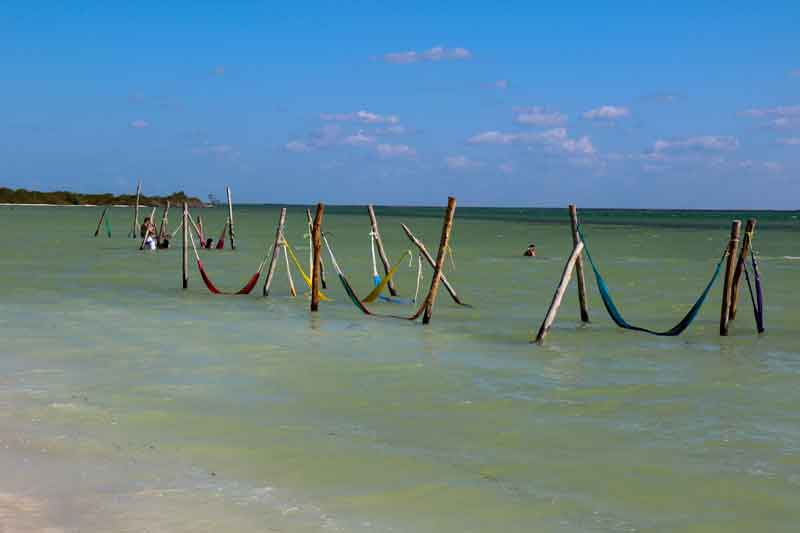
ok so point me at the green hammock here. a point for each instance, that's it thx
(108, 227)
(616, 316)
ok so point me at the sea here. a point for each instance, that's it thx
(130, 404)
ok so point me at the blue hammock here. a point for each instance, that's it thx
(616, 316)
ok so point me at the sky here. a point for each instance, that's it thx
(603, 104)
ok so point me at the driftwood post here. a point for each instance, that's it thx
(316, 242)
(102, 217)
(163, 229)
(749, 228)
(201, 234)
(381, 251)
(135, 222)
(185, 247)
(424, 252)
(559, 295)
(573, 217)
(276, 251)
(231, 231)
(444, 242)
(733, 245)
(311, 254)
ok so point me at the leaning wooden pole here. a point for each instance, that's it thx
(426, 309)
(552, 311)
(749, 228)
(231, 230)
(381, 251)
(102, 217)
(276, 251)
(576, 238)
(424, 252)
(733, 245)
(316, 241)
(185, 248)
(200, 229)
(135, 221)
(164, 229)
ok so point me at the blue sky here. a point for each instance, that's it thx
(631, 104)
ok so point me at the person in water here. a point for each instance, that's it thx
(148, 233)
(531, 251)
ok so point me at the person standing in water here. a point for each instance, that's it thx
(531, 251)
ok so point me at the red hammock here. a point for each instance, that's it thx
(221, 240)
(210, 284)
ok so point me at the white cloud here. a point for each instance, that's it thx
(607, 112)
(460, 162)
(398, 129)
(768, 112)
(506, 168)
(395, 150)
(555, 139)
(139, 124)
(769, 166)
(297, 146)
(537, 116)
(706, 143)
(790, 141)
(359, 139)
(500, 84)
(435, 54)
(362, 116)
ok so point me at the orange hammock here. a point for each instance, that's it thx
(210, 284)
(221, 240)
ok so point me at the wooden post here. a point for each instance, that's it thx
(316, 242)
(276, 251)
(381, 251)
(560, 290)
(163, 229)
(292, 290)
(311, 254)
(231, 231)
(135, 222)
(200, 229)
(749, 228)
(102, 217)
(733, 244)
(573, 217)
(185, 247)
(447, 226)
(424, 252)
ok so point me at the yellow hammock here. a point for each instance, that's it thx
(371, 297)
(300, 268)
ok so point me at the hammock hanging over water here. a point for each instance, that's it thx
(296, 262)
(381, 283)
(108, 227)
(758, 297)
(616, 316)
(210, 284)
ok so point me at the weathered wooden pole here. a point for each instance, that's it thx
(199, 225)
(749, 228)
(292, 290)
(276, 251)
(444, 242)
(185, 247)
(102, 217)
(733, 245)
(135, 222)
(424, 252)
(381, 251)
(163, 229)
(316, 241)
(560, 290)
(576, 238)
(231, 231)
(311, 254)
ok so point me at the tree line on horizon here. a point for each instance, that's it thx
(24, 196)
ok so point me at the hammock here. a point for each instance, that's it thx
(616, 316)
(221, 240)
(108, 227)
(306, 278)
(210, 285)
(346, 284)
(380, 284)
(758, 298)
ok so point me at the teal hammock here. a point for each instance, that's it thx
(616, 316)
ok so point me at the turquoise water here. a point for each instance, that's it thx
(130, 405)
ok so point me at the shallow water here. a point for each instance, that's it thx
(129, 404)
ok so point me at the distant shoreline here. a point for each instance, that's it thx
(24, 197)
